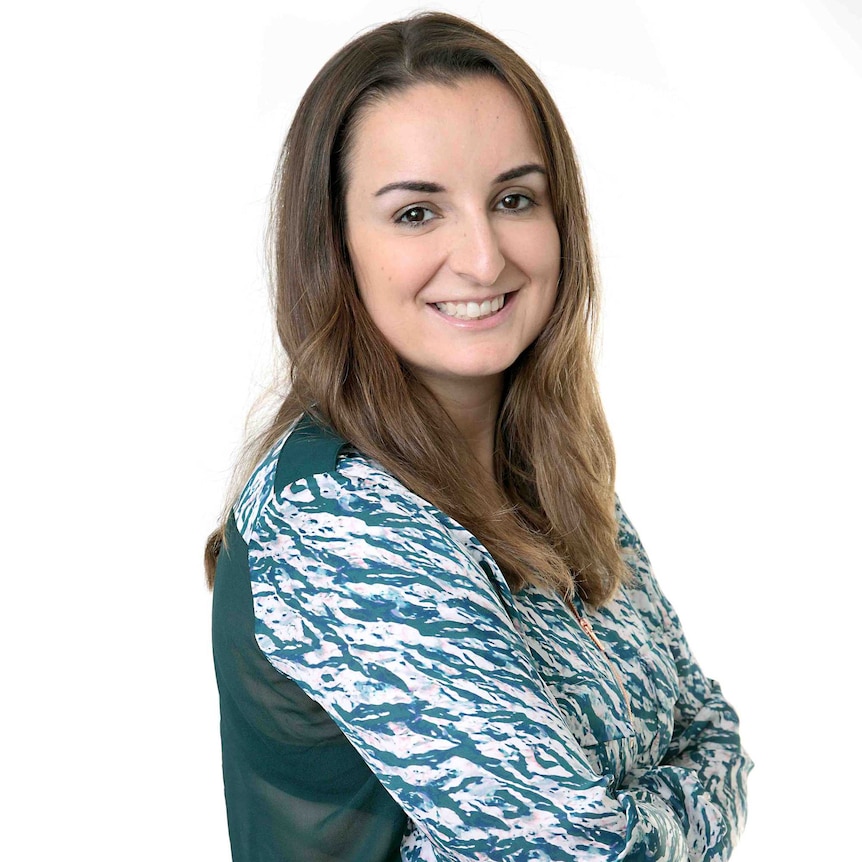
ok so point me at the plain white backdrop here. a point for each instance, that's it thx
(720, 148)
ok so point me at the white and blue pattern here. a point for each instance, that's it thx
(491, 718)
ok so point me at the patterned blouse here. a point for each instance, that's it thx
(385, 696)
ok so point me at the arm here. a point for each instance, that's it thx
(364, 599)
(702, 777)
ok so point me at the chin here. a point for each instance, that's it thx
(474, 374)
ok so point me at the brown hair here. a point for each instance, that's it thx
(554, 458)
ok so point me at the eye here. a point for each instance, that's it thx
(414, 216)
(515, 202)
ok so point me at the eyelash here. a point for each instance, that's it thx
(400, 217)
(530, 202)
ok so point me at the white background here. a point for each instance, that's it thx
(720, 147)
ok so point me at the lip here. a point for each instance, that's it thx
(485, 322)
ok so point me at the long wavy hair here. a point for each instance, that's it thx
(554, 458)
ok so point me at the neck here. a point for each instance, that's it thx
(473, 406)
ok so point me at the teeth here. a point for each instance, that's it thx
(472, 310)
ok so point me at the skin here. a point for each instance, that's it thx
(434, 214)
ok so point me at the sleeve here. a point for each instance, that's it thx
(368, 603)
(702, 778)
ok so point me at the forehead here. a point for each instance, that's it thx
(434, 131)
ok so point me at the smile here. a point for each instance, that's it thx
(471, 310)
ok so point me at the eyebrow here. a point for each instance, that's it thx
(430, 188)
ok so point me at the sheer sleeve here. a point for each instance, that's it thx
(368, 604)
(702, 777)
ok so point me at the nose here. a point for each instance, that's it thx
(476, 254)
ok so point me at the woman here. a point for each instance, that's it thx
(436, 634)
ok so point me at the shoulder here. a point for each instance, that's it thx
(642, 589)
(629, 540)
(306, 450)
(339, 545)
(313, 484)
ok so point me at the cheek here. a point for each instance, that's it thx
(391, 273)
(369, 267)
(535, 247)
(544, 264)
(548, 252)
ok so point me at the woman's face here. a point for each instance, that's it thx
(450, 230)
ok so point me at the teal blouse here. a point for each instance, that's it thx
(385, 696)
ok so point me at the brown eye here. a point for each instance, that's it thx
(415, 216)
(515, 203)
